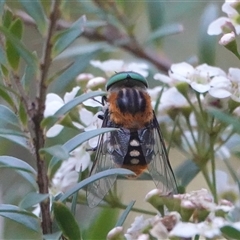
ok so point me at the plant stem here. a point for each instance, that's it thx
(39, 138)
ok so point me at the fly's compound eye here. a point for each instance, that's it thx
(123, 76)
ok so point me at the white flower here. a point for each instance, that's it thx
(226, 24)
(181, 72)
(96, 102)
(234, 76)
(136, 228)
(171, 99)
(67, 175)
(115, 233)
(199, 78)
(94, 82)
(84, 77)
(220, 25)
(95, 124)
(185, 230)
(53, 103)
(113, 66)
(227, 38)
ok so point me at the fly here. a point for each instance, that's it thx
(138, 145)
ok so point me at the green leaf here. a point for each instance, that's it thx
(27, 219)
(53, 236)
(6, 131)
(7, 18)
(49, 122)
(22, 114)
(68, 76)
(15, 163)
(156, 12)
(21, 167)
(207, 43)
(35, 10)
(28, 77)
(29, 58)
(7, 117)
(74, 51)
(4, 95)
(95, 177)
(230, 232)
(2, 2)
(32, 199)
(21, 141)
(186, 172)
(226, 118)
(66, 221)
(57, 151)
(124, 215)
(12, 53)
(65, 38)
(102, 223)
(74, 142)
(3, 59)
(165, 30)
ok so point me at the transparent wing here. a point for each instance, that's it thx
(112, 148)
(103, 161)
(157, 158)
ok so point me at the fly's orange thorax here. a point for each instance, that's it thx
(130, 107)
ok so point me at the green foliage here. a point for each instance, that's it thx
(27, 219)
(13, 56)
(207, 44)
(66, 221)
(36, 11)
(65, 38)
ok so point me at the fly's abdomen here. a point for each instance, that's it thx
(130, 107)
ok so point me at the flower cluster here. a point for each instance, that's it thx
(228, 26)
(199, 215)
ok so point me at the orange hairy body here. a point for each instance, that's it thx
(128, 119)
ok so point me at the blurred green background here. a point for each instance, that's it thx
(147, 19)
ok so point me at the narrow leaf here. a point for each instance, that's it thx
(53, 236)
(125, 214)
(7, 18)
(29, 58)
(165, 30)
(226, 118)
(4, 95)
(230, 232)
(156, 12)
(18, 164)
(35, 10)
(66, 221)
(2, 2)
(65, 38)
(27, 219)
(57, 151)
(22, 114)
(95, 177)
(186, 172)
(68, 106)
(7, 116)
(19, 140)
(72, 72)
(207, 43)
(12, 53)
(28, 77)
(75, 142)
(21, 167)
(32, 199)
